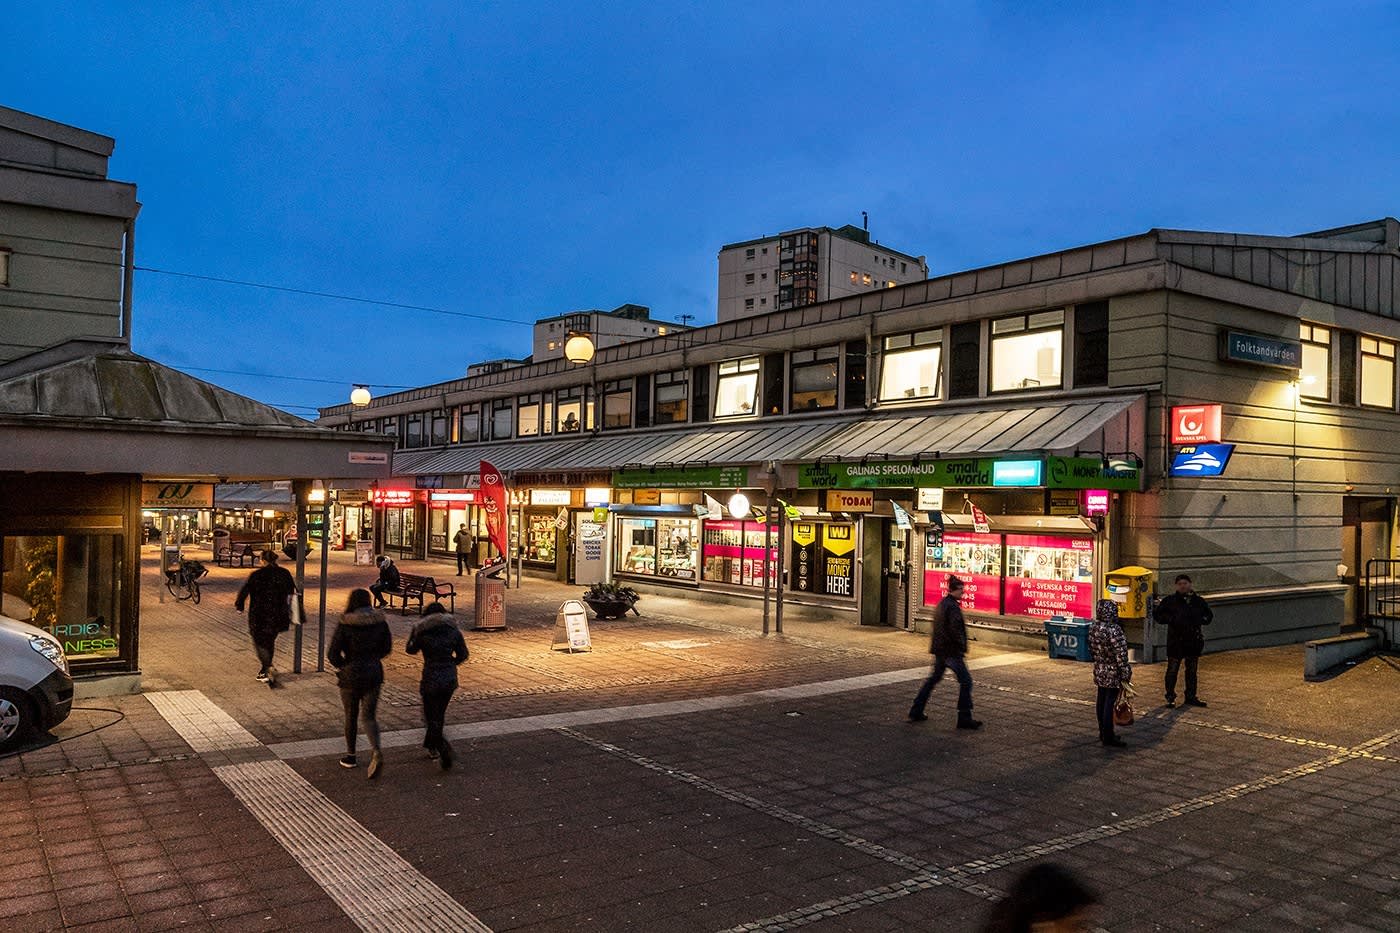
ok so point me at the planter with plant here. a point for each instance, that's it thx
(611, 600)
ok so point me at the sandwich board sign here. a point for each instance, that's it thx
(571, 628)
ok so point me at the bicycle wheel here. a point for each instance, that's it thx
(194, 591)
(178, 586)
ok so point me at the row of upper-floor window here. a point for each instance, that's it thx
(1004, 355)
(1347, 367)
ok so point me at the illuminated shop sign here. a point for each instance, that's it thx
(1016, 472)
(467, 496)
(550, 497)
(597, 495)
(1196, 424)
(1201, 460)
(1096, 501)
(838, 500)
(682, 478)
(394, 497)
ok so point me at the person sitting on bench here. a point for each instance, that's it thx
(388, 579)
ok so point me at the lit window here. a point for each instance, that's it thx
(1316, 376)
(528, 416)
(736, 390)
(552, 345)
(1027, 350)
(855, 277)
(865, 279)
(670, 405)
(889, 284)
(1377, 372)
(912, 366)
(661, 331)
(814, 379)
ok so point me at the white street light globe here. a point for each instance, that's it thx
(739, 505)
(578, 348)
(359, 396)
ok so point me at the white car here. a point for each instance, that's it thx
(36, 692)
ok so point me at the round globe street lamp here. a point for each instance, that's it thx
(739, 505)
(359, 396)
(578, 349)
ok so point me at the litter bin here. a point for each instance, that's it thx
(1130, 588)
(490, 598)
(1068, 638)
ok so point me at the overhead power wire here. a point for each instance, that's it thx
(332, 382)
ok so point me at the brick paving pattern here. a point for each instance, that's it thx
(1273, 809)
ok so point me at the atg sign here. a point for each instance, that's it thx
(1259, 350)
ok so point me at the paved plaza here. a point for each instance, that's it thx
(691, 774)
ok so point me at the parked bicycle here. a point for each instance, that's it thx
(183, 582)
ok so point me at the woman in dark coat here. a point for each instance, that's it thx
(361, 640)
(440, 640)
(1111, 668)
(268, 594)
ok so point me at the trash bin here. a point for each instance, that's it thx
(1068, 638)
(171, 558)
(490, 599)
(1130, 588)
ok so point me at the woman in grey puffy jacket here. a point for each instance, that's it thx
(440, 640)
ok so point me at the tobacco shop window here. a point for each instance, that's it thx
(670, 403)
(1316, 376)
(69, 585)
(568, 404)
(470, 422)
(528, 415)
(1027, 351)
(1377, 372)
(814, 378)
(438, 433)
(502, 419)
(1091, 344)
(736, 389)
(617, 404)
(912, 366)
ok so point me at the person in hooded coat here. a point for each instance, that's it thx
(440, 640)
(388, 579)
(268, 593)
(1109, 647)
(358, 646)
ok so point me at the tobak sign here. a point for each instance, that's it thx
(1196, 424)
(849, 500)
(177, 495)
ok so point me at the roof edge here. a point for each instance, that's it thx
(54, 131)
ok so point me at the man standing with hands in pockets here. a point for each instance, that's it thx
(1183, 613)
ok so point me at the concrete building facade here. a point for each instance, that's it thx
(807, 266)
(604, 328)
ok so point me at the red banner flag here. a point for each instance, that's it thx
(979, 520)
(494, 502)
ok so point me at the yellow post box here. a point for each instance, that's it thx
(1130, 588)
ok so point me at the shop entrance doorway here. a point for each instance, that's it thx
(896, 567)
(1366, 523)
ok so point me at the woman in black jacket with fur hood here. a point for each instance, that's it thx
(440, 640)
(360, 642)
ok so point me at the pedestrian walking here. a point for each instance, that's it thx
(268, 593)
(1183, 613)
(360, 641)
(1111, 668)
(464, 540)
(1046, 897)
(388, 579)
(440, 640)
(948, 645)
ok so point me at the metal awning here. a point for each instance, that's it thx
(1097, 424)
(251, 495)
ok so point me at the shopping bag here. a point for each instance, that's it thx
(1123, 709)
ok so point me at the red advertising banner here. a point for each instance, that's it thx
(494, 503)
(974, 559)
(1047, 575)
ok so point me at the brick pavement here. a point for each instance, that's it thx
(822, 810)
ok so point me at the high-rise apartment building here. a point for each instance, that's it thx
(805, 266)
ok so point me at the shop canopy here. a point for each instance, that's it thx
(1087, 425)
(90, 406)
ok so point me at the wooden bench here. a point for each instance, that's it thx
(230, 549)
(414, 587)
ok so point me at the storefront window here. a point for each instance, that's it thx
(1027, 350)
(734, 552)
(1377, 372)
(823, 558)
(528, 416)
(1049, 575)
(1316, 379)
(399, 528)
(662, 547)
(973, 558)
(617, 404)
(671, 398)
(814, 379)
(736, 390)
(69, 585)
(540, 536)
(912, 366)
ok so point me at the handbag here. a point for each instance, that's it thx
(1123, 709)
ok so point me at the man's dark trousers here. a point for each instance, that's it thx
(959, 668)
(462, 562)
(1174, 665)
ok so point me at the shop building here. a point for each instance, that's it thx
(97, 438)
(1219, 404)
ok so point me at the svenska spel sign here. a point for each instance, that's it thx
(1196, 424)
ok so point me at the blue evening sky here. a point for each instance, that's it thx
(519, 160)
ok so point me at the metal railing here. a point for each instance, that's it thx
(1382, 588)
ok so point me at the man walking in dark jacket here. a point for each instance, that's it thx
(268, 594)
(1183, 613)
(440, 640)
(948, 647)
